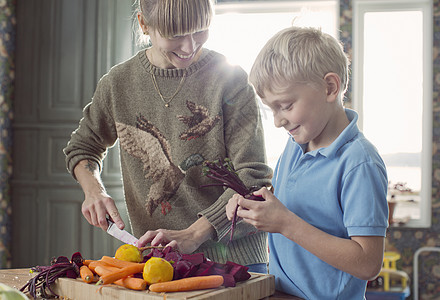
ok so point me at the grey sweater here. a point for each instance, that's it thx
(214, 115)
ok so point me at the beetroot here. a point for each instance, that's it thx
(228, 280)
(173, 256)
(190, 265)
(239, 272)
(223, 171)
(59, 267)
(195, 258)
(204, 269)
(183, 269)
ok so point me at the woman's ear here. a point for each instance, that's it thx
(333, 85)
(142, 24)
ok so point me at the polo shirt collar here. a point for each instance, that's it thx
(346, 135)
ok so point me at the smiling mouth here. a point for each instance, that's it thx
(292, 131)
(184, 56)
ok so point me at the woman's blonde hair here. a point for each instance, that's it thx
(174, 17)
(298, 55)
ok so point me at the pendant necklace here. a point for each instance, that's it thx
(165, 99)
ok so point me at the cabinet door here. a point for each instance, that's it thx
(63, 48)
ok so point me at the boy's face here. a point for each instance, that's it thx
(304, 111)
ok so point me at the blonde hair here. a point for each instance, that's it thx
(175, 17)
(299, 55)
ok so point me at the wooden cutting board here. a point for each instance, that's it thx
(258, 286)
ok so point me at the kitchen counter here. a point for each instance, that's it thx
(16, 278)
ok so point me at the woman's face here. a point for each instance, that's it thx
(178, 51)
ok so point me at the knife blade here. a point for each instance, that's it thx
(122, 235)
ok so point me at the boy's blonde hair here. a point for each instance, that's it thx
(175, 17)
(298, 55)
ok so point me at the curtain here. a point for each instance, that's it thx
(7, 74)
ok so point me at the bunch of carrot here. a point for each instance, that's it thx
(112, 270)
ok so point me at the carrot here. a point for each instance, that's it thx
(117, 262)
(86, 274)
(124, 272)
(96, 263)
(132, 283)
(188, 284)
(103, 270)
(128, 282)
(87, 261)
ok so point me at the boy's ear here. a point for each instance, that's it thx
(333, 84)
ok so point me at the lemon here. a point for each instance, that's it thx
(157, 270)
(129, 252)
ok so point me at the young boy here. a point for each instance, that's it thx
(327, 218)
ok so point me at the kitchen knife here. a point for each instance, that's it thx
(122, 235)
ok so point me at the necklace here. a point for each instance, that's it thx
(166, 99)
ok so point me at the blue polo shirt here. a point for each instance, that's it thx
(340, 189)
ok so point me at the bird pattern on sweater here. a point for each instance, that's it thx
(148, 144)
(199, 124)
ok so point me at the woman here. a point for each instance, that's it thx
(173, 106)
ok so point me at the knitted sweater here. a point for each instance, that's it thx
(214, 115)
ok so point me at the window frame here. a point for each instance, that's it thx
(268, 6)
(360, 7)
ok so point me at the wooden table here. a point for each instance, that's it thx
(16, 278)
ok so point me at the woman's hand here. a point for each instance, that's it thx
(177, 239)
(97, 203)
(95, 209)
(186, 240)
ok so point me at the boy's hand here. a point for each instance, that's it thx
(230, 207)
(269, 215)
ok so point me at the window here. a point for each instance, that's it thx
(392, 91)
(240, 29)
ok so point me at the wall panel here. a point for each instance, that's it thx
(63, 49)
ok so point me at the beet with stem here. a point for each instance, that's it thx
(224, 173)
(40, 284)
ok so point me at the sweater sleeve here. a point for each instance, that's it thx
(96, 131)
(244, 142)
